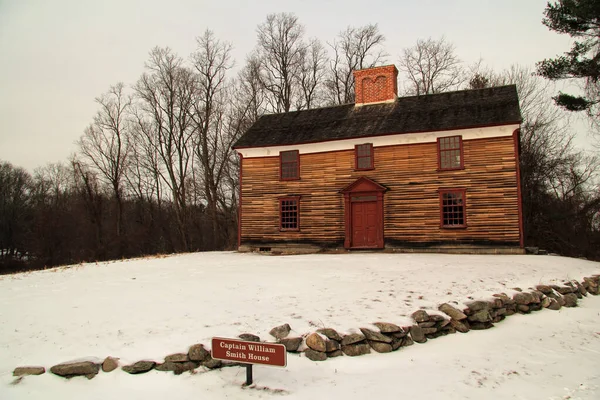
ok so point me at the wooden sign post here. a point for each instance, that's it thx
(249, 353)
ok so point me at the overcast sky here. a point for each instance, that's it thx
(57, 56)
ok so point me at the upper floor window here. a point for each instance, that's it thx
(453, 208)
(364, 156)
(289, 165)
(450, 152)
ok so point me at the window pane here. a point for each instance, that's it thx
(289, 214)
(450, 152)
(453, 209)
(364, 156)
(289, 156)
(364, 162)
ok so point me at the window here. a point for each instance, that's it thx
(364, 156)
(452, 208)
(450, 152)
(289, 165)
(288, 214)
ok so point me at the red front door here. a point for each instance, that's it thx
(364, 224)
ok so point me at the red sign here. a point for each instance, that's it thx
(249, 352)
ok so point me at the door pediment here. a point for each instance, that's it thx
(363, 184)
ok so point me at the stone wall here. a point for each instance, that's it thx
(327, 342)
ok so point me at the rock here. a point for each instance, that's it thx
(500, 311)
(443, 323)
(352, 338)
(315, 355)
(281, 331)
(167, 366)
(249, 337)
(380, 347)
(417, 334)
(532, 250)
(570, 300)
(546, 302)
(478, 305)
(505, 299)
(211, 363)
(29, 370)
(581, 288)
(420, 316)
(480, 316)
(330, 334)
(496, 302)
(535, 306)
(536, 296)
(79, 368)
(375, 336)
(197, 352)
(335, 353)
(291, 344)
(110, 364)
(481, 325)
(452, 312)
(139, 367)
(386, 327)
(177, 367)
(450, 329)
(427, 324)
(544, 289)
(357, 349)
(523, 308)
(178, 357)
(407, 341)
(188, 366)
(399, 335)
(518, 289)
(523, 298)
(396, 343)
(332, 345)
(429, 331)
(565, 290)
(461, 326)
(316, 342)
(436, 318)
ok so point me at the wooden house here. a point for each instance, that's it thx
(436, 172)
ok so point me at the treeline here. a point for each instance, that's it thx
(155, 172)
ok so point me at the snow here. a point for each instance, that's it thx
(149, 308)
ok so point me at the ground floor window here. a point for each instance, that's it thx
(289, 213)
(453, 208)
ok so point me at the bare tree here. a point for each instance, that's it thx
(105, 145)
(166, 94)
(249, 88)
(15, 184)
(355, 48)
(431, 66)
(280, 51)
(312, 75)
(211, 61)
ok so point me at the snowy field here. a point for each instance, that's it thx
(148, 308)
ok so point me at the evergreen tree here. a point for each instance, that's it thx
(579, 19)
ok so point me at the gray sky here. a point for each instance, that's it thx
(57, 56)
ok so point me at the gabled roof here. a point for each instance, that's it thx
(363, 184)
(434, 112)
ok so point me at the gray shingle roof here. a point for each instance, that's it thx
(435, 112)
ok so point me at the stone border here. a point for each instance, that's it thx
(327, 342)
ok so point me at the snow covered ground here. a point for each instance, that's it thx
(148, 308)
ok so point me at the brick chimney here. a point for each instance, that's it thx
(376, 85)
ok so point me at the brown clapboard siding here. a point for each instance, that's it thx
(411, 204)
